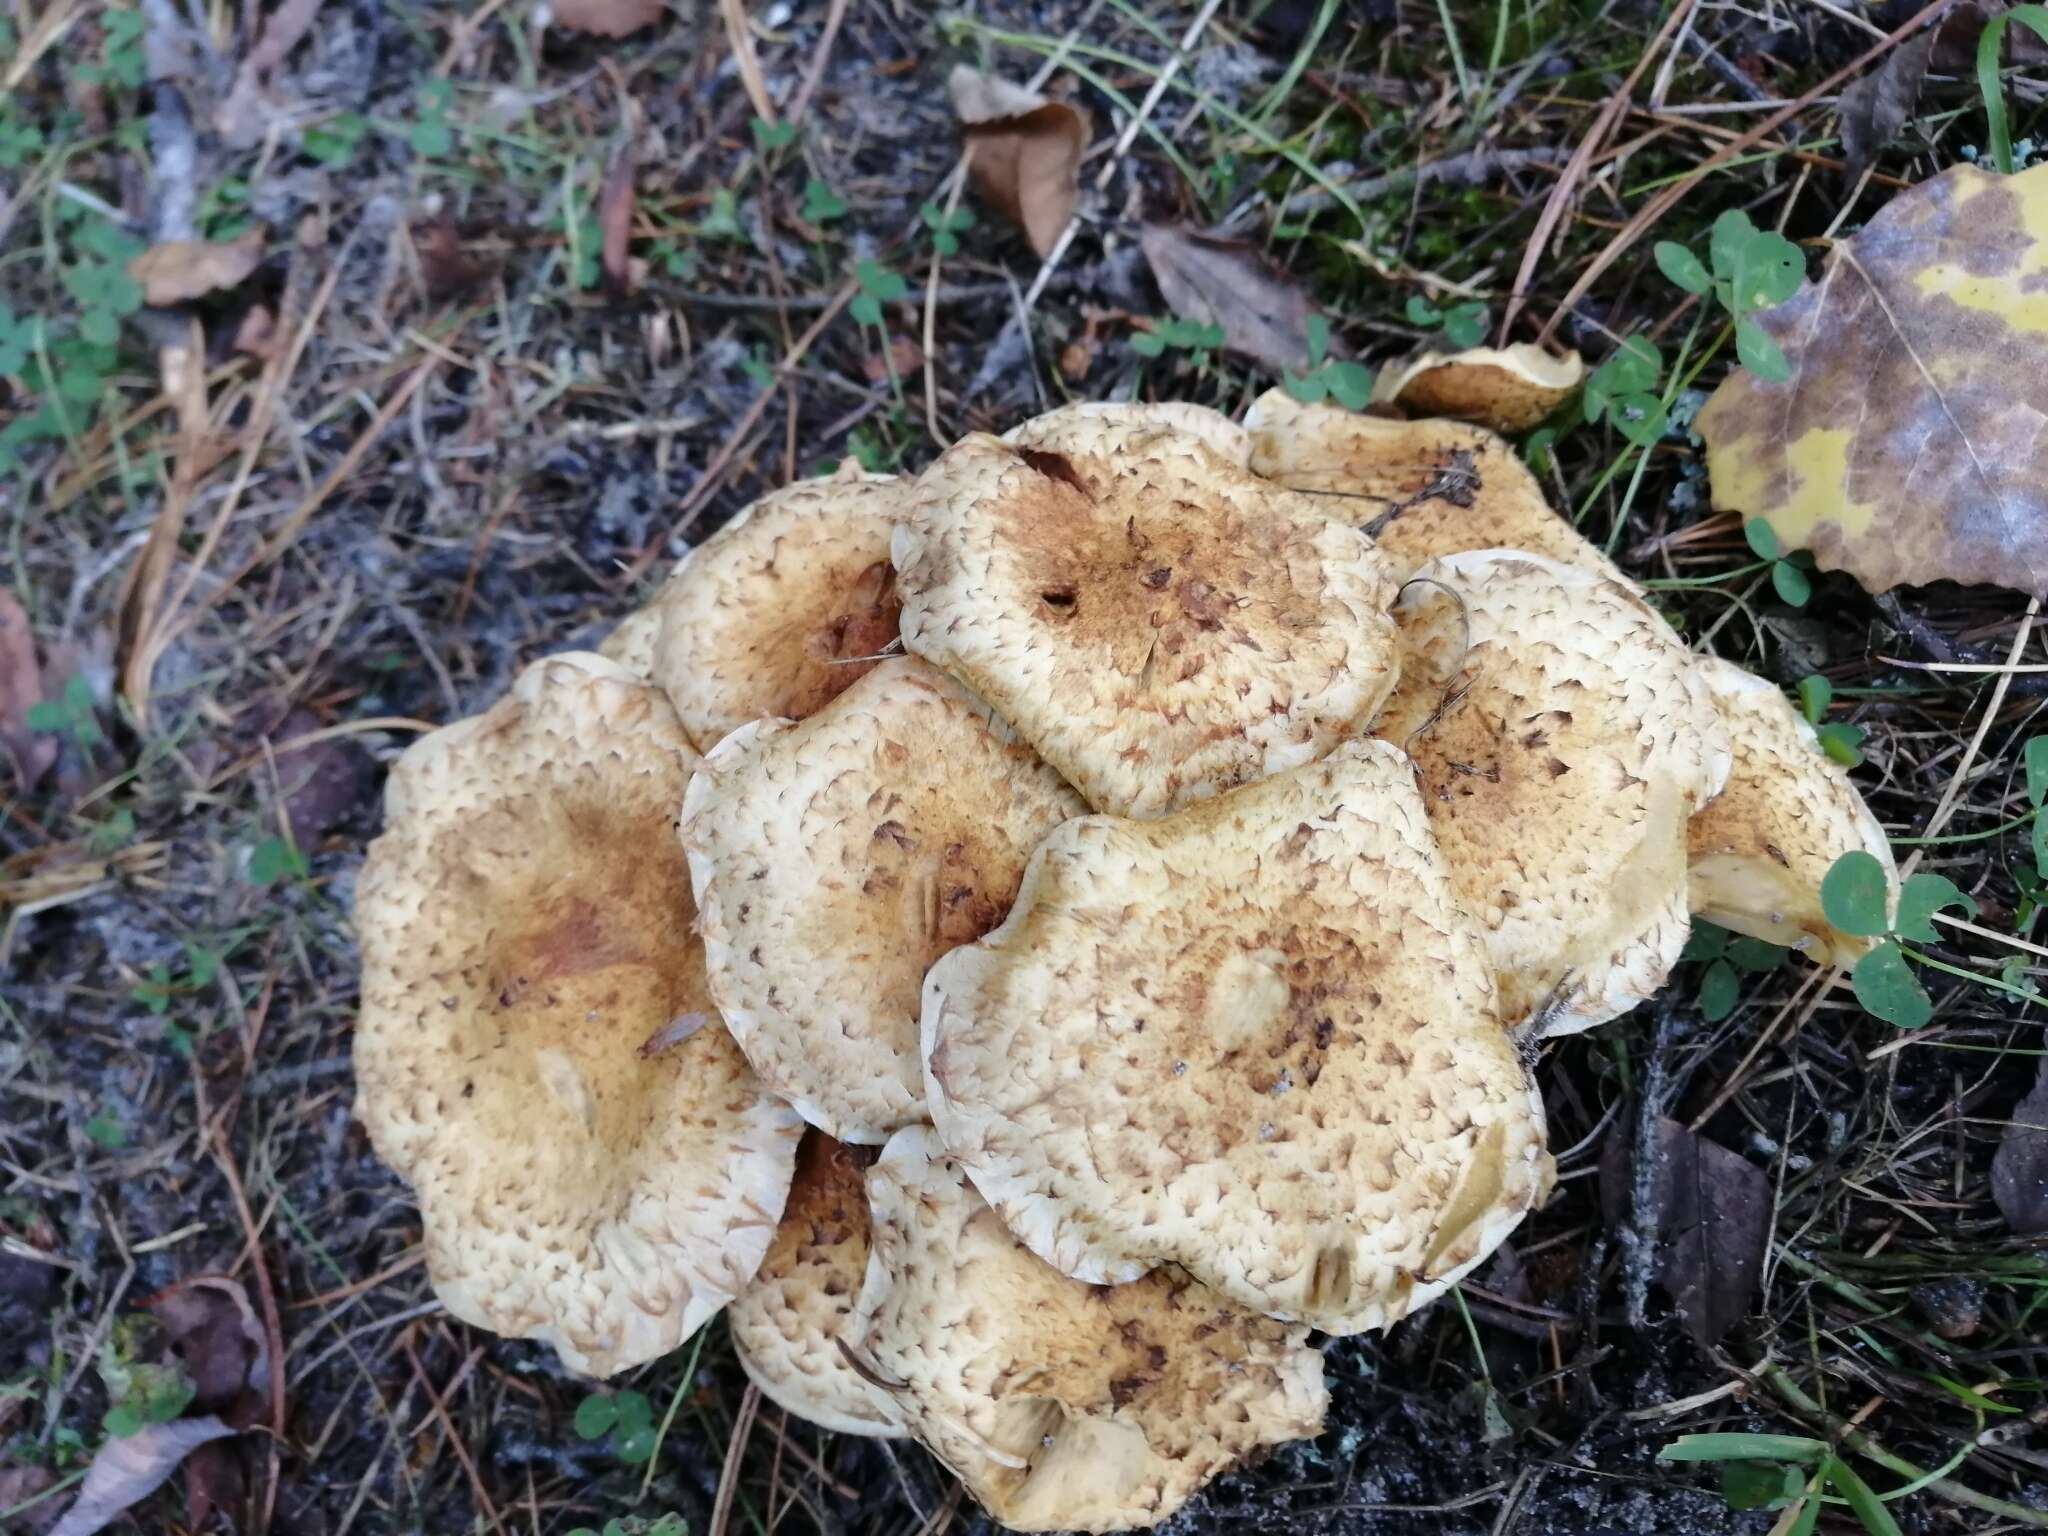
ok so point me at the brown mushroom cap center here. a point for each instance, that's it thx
(846, 644)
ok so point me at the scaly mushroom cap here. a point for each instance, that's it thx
(1062, 1406)
(1761, 848)
(779, 611)
(1562, 738)
(526, 930)
(1509, 390)
(836, 858)
(1458, 487)
(1158, 623)
(1257, 1040)
(1055, 430)
(632, 642)
(786, 1325)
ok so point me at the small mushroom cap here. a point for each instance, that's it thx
(1062, 1406)
(1485, 496)
(1509, 390)
(1257, 1040)
(1158, 623)
(1054, 428)
(525, 923)
(834, 859)
(632, 642)
(1562, 738)
(1761, 848)
(776, 613)
(786, 1325)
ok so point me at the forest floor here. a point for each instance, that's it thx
(439, 428)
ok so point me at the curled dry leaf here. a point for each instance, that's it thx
(125, 1471)
(1905, 445)
(606, 18)
(2019, 1170)
(1264, 315)
(447, 267)
(1875, 108)
(21, 689)
(1510, 389)
(615, 207)
(181, 270)
(221, 1344)
(1027, 149)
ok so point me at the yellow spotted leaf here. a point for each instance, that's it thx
(1910, 443)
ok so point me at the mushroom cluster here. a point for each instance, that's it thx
(1032, 941)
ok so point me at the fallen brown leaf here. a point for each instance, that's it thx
(1229, 283)
(2019, 1169)
(245, 112)
(615, 206)
(447, 267)
(607, 18)
(181, 270)
(321, 783)
(1509, 389)
(905, 354)
(257, 335)
(20, 1484)
(1711, 1210)
(1875, 108)
(21, 689)
(214, 1332)
(1026, 149)
(127, 1470)
(1906, 445)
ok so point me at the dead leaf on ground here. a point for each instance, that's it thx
(615, 207)
(447, 267)
(904, 354)
(1712, 1211)
(125, 1471)
(607, 18)
(181, 270)
(21, 689)
(1509, 389)
(20, 1484)
(257, 335)
(1027, 152)
(214, 1332)
(1875, 108)
(244, 115)
(1906, 445)
(1264, 314)
(322, 783)
(2019, 1169)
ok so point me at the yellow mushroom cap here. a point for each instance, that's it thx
(1459, 487)
(1062, 1406)
(1562, 738)
(525, 922)
(835, 858)
(1509, 389)
(1054, 429)
(782, 608)
(1760, 849)
(786, 1325)
(633, 640)
(1257, 1039)
(1159, 624)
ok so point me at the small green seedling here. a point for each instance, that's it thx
(121, 62)
(17, 341)
(1747, 269)
(1842, 742)
(335, 142)
(69, 714)
(1190, 336)
(1788, 575)
(430, 136)
(140, 1392)
(878, 286)
(723, 221)
(770, 137)
(1623, 390)
(2035, 756)
(1463, 325)
(637, 1525)
(946, 228)
(1784, 1471)
(105, 1130)
(1854, 896)
(98, 279)
(821, 204)
(275, 859)
(1727, 957)
(626, 1416)
(1348, 383)
(19, 140)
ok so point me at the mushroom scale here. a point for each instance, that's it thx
(1761, 848)
(1257, 1039)
(783, 608)
(1457, 487)
(525, 922)
(1061, 1405)
(786, 1324)
(834, 859)
(1562, 738)
(1160, 624)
